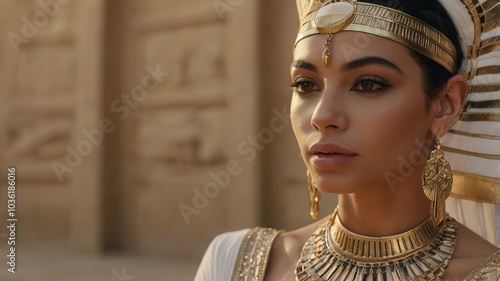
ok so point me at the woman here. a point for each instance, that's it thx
(374, 90)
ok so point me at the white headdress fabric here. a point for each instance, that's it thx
(473, 146)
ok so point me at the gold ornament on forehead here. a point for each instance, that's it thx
(326, 57)
(332, 18)
(320, 17)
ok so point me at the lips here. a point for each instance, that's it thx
(330, 156)
(329, 148)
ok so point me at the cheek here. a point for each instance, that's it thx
(397, 130)
(299, 118)
(400, 122)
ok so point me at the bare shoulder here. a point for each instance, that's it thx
(470, 251)
(295, 239)
(469, 244)
(286, 251)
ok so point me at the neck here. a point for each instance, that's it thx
(382, 211)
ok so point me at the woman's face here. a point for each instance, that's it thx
(361, 120)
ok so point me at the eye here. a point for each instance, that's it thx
(369, 85)
(304, 86)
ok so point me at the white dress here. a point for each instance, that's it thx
(218, 262)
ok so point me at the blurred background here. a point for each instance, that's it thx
(140, 129)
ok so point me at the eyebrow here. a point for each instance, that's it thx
(304, 64)
(369, 61)
(350, 65)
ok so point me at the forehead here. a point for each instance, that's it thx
(350, 45)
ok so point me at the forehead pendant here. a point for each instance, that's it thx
(332, 18)
(327, 55)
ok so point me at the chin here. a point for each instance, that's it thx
(344, 184)
(336, 184)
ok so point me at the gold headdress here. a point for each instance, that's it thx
(473, 146)
(333, 16)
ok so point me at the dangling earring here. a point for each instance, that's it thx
(314, 197)
(437, 181)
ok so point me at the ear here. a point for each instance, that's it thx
(450, 104)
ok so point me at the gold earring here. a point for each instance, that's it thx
(314, 197)
(437, 181)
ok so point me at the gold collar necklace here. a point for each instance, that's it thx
(334, 253)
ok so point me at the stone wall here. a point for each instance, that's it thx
(148, 126)
(183, 175)
(51, 80)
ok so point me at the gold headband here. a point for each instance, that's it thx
(334, 16)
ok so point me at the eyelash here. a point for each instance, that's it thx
(371, 79)
(300, 82)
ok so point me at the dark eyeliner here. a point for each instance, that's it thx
(299, 84)
(381, 84)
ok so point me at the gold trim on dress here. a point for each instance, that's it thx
(474, 187)
(253, 254)
(489, 269)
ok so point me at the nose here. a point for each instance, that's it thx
(330, 113)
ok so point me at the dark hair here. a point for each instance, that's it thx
(435, 76)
